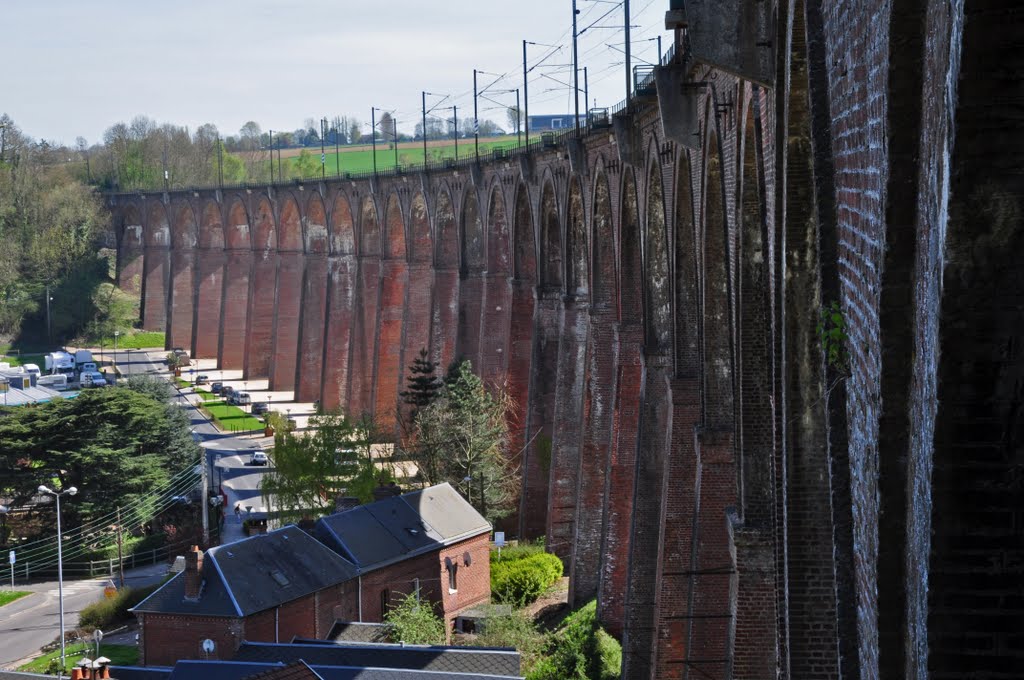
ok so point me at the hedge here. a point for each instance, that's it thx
(113, 610)
(520, 582)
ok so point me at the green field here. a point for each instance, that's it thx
(357, 159)
(8, 596)
(137, 340)
(22, 359)
(119, 655)
(227, 417)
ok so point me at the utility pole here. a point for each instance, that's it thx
(586, 96)
(271, 156)
(323, 152)
(526, 95)
(373, 136)
(220, 162)
(280, 177)
(629, 58)
(659, 50)
(206, 504)
(424, 129)
(576, 67)
(476, 122)
(455, 115)
(337, 151)
(120, 556)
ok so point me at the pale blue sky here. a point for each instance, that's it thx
(75, 67)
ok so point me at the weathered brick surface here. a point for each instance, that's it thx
(260, 338)
(390, 365)
(155, 282)
(182, 310)
(209, 292)
(311, 329)
(290, 273)
(235, 302)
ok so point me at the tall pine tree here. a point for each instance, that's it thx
(423, 384)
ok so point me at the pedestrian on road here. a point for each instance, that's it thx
(238, 511)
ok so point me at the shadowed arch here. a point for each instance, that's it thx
(577, 275)
(525, 250)
(657, 281)
(471, 284)
(131, 227)
(365, 332)
(497, 291)
(394, 226)
(156, 268)
(315, 230)
(289, 237)
(209, 277)
(419, 229)
(343, 239)
(550, 239)
(369, 229)
(184, 238)
(236, 233)
(616, 538)
(264, 232)
(598, 397)
(445, 309)
(211, 227)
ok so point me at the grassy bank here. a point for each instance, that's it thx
(7, 596)
(119, 655)
(227, 417)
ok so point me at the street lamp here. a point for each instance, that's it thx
(70, 491)
(116, 334)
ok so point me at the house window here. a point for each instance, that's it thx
(385, 602)
(453, 575)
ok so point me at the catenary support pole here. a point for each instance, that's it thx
(576, 68)
(476, 122)
(424, 95)
(629, 58)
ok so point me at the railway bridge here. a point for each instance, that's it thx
(764, 329)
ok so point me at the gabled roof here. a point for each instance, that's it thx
(234, 670)
(496, 662)
(296, 671)
(396, 528)
(254, 574)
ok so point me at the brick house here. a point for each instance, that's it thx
(270, 588)
(431, 541)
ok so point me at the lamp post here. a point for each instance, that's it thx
(70, 491)
(116, 334)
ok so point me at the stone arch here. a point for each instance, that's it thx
(497, 290)
(419, 230)
(184, 238)
(369, 229)
(157, 228)
(289, 235)
(130, 259)
(315, 224)
(577, 270)
(264, 232)
(131, 227)
(343, 239)
(184, 228)
(687, 240)
(657, 274)
(550, 239)
(471, 283)
(525, 239)
(236, 232)
(211, 226)
(394, 230)
(445, 308)
(209, 282)
(156, 268)
(393, 287)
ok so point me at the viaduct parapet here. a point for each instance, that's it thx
(764, 330)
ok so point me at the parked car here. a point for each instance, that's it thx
(202, 379)
(216, 387)
(259, 458)
(227, 391)
(92, 379)
(260, 407)
(241, 398)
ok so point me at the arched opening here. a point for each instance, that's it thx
(394, 281)
(497, 292)
(314, 303)
(365, 330)
(260, 336)
(156, 268)
(520, 362)
(237, 271)
(574, 328)
(184, 238)
(446, 283)
(210, 274)
(290, 272)
(417, 324)
(471, 284)
(598, 396)
(340, 298)
(547, 321)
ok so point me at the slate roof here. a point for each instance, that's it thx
(396, 528)
(358, 632)
(139, 673)
(296, 671)
(233, 670)
(254, 574)
(495, 662)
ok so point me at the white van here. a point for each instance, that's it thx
(92, 379)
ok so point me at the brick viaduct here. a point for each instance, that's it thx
(650, 293)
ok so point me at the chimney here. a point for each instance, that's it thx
(193, 573)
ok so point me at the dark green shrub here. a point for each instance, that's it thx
(113, 610)
(580, 650)
(414, 621)
(518, 552)
(515, 630)
(521, 581)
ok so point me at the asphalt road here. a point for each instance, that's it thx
(33, 621)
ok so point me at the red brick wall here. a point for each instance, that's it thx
(164, 638)
(311, 331)
(474, 581)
